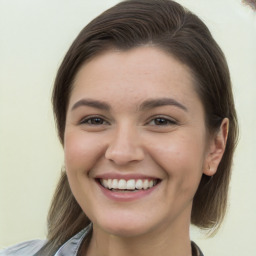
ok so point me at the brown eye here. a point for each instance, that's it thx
(94, 121)
(161, 121)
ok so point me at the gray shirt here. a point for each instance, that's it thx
(30, 248)
(70, 248)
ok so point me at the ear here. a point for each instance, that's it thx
(216, 148)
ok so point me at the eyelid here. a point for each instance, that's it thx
(171, 121)
(90, 117)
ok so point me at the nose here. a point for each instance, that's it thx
(124, 146)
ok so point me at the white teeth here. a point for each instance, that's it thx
(131, 184)
(145, 184)
(122, 184)
(109, 183)
(115, 184)
(139, 184)
(105, 183)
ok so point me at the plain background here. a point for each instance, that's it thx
(34, 36)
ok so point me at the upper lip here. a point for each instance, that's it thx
(120, 176)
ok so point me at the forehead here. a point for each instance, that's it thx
(144, 71)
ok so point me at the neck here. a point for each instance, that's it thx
(169, 243)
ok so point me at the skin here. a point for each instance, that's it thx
(127, 139)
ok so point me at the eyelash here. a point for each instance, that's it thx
(88, 121)
(163, 121)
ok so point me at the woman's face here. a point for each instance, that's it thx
(135, 141)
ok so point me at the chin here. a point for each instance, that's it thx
(129, 231)
(125, 227)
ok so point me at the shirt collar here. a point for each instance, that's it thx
(71, 247)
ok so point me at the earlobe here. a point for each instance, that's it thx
(217, 148)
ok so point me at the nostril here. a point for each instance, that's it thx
(122, 156)
(124, 145)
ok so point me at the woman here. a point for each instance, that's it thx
(145, 113)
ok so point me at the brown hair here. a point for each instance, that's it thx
(169, 26)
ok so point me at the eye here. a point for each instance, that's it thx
(94, 120)
(162, 121)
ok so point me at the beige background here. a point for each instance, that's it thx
(34, 36)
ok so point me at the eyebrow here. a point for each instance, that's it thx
(148, 104)
(91, 103)
(153, 103)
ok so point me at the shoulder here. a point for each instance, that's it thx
(28, 248)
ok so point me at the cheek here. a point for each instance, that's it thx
(181, 157)
(81, 151)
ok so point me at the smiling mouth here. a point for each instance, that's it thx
(131, 185)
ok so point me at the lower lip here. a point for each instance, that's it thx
(126, 196)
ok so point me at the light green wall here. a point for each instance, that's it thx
(34, 35)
